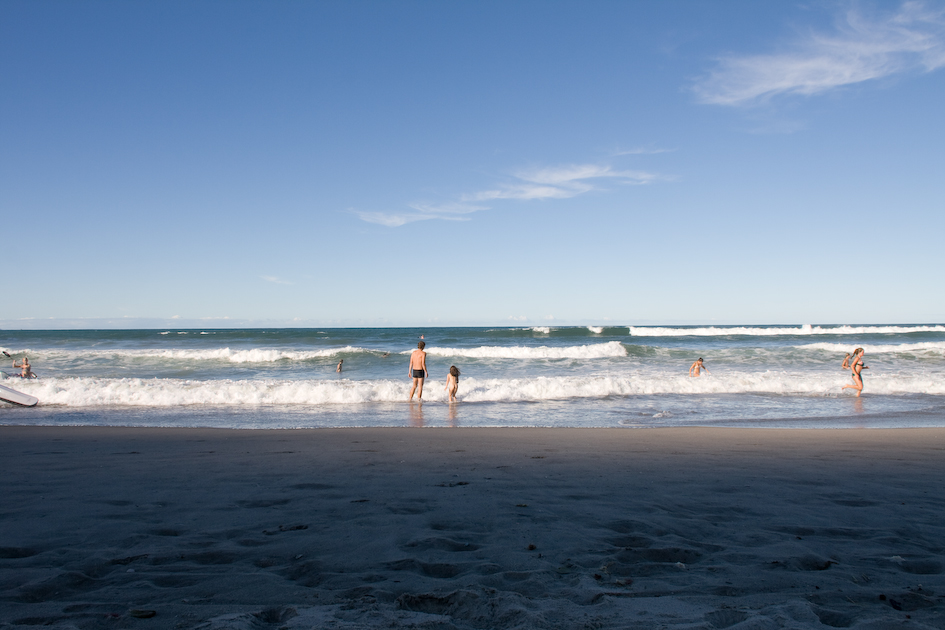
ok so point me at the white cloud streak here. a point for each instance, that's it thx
(275, 280)
(863, 48)
(560, 182)
(640, 151)
(422, 212)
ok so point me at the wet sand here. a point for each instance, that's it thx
(472, 528)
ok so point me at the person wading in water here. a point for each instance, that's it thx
(418, 370)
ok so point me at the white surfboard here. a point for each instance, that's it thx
(17, 398)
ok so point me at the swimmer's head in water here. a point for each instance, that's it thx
(421, 345)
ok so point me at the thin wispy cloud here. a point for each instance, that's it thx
(640, 151)
(561, 182)
(863, 48)
(421, 212)
(275, 280)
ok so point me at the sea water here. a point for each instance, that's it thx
(587, 376)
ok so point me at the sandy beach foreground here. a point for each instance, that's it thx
(472, 528)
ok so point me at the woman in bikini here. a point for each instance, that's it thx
(25, 366)
(857, 366)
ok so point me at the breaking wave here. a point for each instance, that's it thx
(590, 351)
(155, 392)
(806, 329)
(928, 347)
(249, 355)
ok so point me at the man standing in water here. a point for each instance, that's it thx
(418, 369)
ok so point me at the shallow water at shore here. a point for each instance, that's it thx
(642, 412)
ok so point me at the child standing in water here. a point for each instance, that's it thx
(452, 382)
(697, 367)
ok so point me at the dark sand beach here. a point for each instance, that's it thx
(472, 528)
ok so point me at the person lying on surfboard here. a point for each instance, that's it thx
(25, 365)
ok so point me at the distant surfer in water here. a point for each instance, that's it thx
(25, 366)
(846, 362)
(417, 369)
(338, 369)
(697, 367)
(857, 366)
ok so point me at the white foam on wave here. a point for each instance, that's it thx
(590, 351)
(249, 355)
(135, 392)
(155, 392)
(806, 329)
(596, 329)
(927, 347)
(541, 329)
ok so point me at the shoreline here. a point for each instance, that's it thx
(463, 415)
(472, 528)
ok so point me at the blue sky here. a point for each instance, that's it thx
(471, 163)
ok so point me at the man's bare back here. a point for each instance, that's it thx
(417, 370)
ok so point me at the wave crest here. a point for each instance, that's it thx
(249, 355)
(806, 329)
(97, 392)
(927, 347)
(590, 351)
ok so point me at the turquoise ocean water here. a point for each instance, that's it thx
(621, 376)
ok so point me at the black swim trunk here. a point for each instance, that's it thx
(418, 374)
